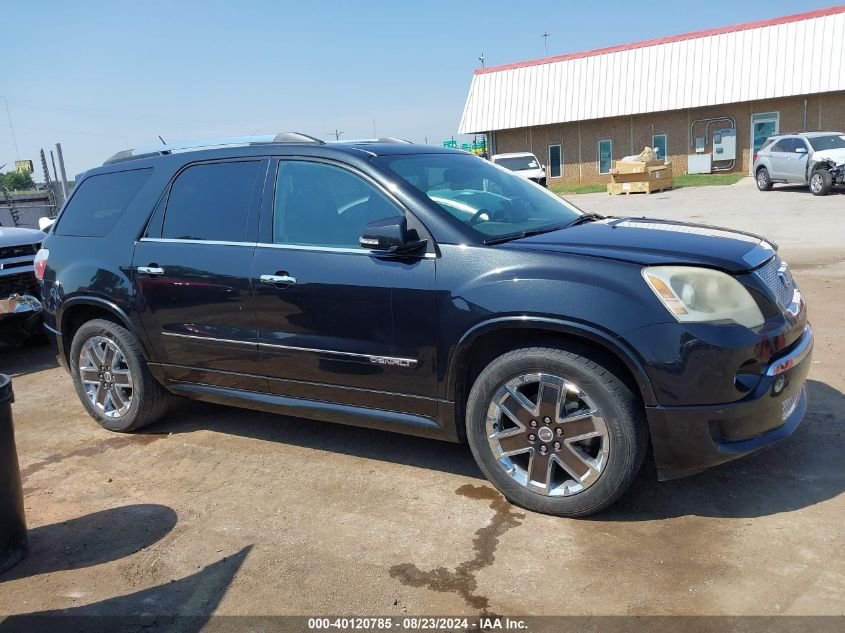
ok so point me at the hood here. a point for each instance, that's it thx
(11, 236)
(650, 241)
(836, 156)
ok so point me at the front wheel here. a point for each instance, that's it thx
(554, 431)
(112, 379)
(821, 182)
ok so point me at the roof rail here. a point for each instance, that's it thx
(231, 141)
(369, 141)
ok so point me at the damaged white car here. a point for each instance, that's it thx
(816, 159)
(20, 306)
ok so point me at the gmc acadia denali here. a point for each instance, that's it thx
(427, 291)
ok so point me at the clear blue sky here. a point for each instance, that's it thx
(104, 76)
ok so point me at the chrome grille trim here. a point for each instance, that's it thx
(777, 278)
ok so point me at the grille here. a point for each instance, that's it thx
(18, 251)
(778, 279)
(22, 284)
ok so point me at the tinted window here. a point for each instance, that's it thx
(211, 202)
(605, 156)
(490, 200)
(555, 161)
(99, 203)
(783, 145)
(322, 205)
(518, 163)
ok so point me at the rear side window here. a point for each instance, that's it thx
(95, 208)
(211, 202)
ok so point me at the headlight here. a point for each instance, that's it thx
(699, 295)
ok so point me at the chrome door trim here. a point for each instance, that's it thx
(211, 339)
(167, 240)
(334, 249)
(394, 361)
(375, 360)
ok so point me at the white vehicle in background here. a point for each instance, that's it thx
(523, 164)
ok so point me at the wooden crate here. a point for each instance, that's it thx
(653, 173)
(648, 186)
(637, 167)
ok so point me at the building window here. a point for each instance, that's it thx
(605, 156)
(658, 143)
(555, 161)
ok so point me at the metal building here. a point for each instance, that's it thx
(737, 85)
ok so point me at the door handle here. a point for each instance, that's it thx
(150, 270)
(278, 280)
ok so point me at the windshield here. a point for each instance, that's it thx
(490, 200)
(518, 163)
(833, 141)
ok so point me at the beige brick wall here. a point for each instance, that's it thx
(631, 133)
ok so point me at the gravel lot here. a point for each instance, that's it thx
(235, 512)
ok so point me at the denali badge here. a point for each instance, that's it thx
(394, 362)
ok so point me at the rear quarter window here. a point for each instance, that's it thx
(99, 202)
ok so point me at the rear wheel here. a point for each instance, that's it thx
(554, 431)
(112, 379)
(764, 181)
(821, 182)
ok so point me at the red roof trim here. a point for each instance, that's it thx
(665, 40)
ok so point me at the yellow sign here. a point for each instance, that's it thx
(23, 166)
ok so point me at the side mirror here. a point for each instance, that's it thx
(45, 223)
(389, 236)
(801, 150)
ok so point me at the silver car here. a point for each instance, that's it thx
(816, 159)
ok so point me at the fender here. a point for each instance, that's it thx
(107, 305)
(612, 344)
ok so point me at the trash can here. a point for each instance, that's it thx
(13, 541)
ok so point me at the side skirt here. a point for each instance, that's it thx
(317, 410)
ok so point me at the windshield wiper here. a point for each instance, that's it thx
(583, 219)
(527, 233)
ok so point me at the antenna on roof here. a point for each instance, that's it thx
(163, 142)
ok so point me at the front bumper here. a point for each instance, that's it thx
(688, 439)
(20, 318)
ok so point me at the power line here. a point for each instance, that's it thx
(11, 127)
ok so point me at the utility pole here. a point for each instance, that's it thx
(374, 129)
(481, 59)
(11, 127)
(62, 169)
(336, 134)
(546, 42)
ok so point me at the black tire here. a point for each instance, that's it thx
(149, 400)
(821, 182)
(617, 404)
(764, 182)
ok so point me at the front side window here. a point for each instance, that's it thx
(322, 205)
(490, 200)
(830, 141)
(211, 202)
(784, 145)
(555, 161)
(605, 156)
(99, 203)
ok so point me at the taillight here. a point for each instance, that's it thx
(755, 156)
(41, 263)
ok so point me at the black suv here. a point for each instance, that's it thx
(426, 291)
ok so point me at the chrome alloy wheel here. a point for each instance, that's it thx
(816, 182)
(105, 376)
(547, 434)
(762, 179)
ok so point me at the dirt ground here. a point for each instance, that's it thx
(234, 512)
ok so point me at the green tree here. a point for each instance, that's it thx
(16, 181)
